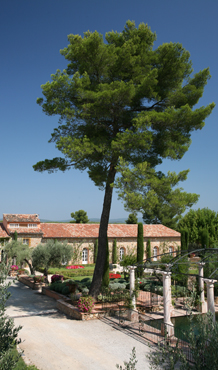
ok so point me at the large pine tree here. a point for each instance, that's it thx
(121, 99)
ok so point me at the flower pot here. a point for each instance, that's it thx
(72, 287)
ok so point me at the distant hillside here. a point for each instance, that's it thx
(96, 220)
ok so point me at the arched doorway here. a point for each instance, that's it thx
(171, 251)
(85, 255)
(122, 253)
(155, 254)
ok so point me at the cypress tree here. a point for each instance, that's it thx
(187, 239)
(15, 235)
(184, 240)
(140, 247)
(212, 236)
(140, 243)
(148, 250)
(114, 252)
(106, 279)
(95, 250)
(204, 238)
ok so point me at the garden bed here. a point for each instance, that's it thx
(52, 294)
(30, 282)
(65, 305)
(74, 312)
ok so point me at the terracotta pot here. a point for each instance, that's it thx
(72, 287)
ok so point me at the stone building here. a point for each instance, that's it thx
(31, 231)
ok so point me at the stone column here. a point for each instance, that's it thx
(132, 313)
(203, 305)
(210, 296)
(132, 284)
(168, 325)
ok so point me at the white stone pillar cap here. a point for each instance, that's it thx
(165, 272)
(132, 267)
(211, 281)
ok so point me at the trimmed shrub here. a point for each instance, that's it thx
(121, 280)
(114, 252)
(114, 286)
(86, 280)
(65, 290)
(85, 291)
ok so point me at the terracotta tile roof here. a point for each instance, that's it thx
(25, 230)
(55, 230)
(3, 232)
(21, 218)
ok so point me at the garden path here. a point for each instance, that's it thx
(51, 341)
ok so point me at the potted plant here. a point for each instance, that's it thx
(13, 270)
(39, 279)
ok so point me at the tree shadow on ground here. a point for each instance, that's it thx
(27, 302)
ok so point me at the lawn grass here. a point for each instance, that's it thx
(21, 364)
(87, 271)
(193, 271)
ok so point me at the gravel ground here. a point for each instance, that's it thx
(52, 341)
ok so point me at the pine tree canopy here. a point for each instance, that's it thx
(144, 190)
(119, 98)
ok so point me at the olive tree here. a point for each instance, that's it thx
(20, 252)
(51, 254)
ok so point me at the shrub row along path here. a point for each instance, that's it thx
(52, 341)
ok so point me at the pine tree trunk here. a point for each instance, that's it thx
(102, 238)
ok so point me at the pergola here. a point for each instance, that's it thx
(151, 267)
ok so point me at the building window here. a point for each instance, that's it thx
(122, 253)
(26, 241)
(32, 225)
(155, 254)
(85, 256)
(14, 225)
(171, 251)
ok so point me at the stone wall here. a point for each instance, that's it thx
(129, 245)
(33, 240)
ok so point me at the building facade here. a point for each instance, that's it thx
(31, 231)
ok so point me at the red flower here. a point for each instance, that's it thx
(74, 267)
(114, 276)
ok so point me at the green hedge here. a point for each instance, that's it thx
(83, 286)
(69, 273)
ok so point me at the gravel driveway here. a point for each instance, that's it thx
(52, 341)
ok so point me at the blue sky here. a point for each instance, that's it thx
(32, 33)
